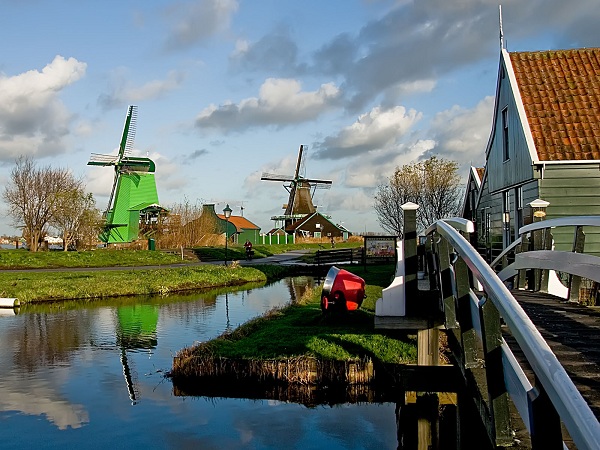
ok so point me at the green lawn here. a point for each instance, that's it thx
(23, 259)
(302, 330)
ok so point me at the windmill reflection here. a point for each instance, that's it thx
(136, 330)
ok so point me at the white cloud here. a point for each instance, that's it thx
(280, 102)
(376, 130)
(462, 134)
(124, 93)
(358, 201)
(33, 120)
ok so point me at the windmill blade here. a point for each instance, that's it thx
(274, 177)
(128, 132)
(315, 181)
(112, 191)
(297, 174)
(97, 159)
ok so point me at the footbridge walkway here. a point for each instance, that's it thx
(526, 348)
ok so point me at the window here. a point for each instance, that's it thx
(505, 146)
(317, 234)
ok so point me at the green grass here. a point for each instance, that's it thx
(23, 259)
(302, 330)
(35, 286)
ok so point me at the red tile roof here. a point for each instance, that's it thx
(240, 222)
(560, 90)
(480, 172)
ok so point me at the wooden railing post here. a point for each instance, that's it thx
(468, 334)
(544, 424)
(522, 277)
(445, 276)
(574, 280)
(494, 371)
(539, 213)
(411, 263)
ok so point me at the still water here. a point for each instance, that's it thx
(91, 375)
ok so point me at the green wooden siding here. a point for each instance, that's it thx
(517, 169)
(134, 191)
(572, 190)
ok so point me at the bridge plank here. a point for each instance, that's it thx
(573, 333)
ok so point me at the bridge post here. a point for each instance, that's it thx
(468, 334)
(574, 280)
(445, 276)
(539, 213)
(545, 426)
(494, 370)
(411, 262)
(522, 274)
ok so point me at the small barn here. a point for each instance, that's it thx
(244, 229)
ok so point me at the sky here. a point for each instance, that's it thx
(229, 89)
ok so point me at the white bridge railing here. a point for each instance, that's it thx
(536, 262)
(475, 302)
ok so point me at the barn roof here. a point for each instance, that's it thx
(240, 222)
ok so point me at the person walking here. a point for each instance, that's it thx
(248, 246)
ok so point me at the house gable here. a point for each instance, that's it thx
(510, 152)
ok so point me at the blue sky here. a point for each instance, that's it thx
(228, 89)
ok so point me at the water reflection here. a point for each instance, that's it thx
(81, 365)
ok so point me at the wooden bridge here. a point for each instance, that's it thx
(529, 359)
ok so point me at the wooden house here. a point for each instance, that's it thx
(544, 144)
(317, 225)
(469, 204)
(244, 229)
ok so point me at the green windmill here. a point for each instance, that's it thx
(133, 196)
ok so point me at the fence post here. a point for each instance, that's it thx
(494, 371)
(411, 263)
(574, 280)
(445, 276)
(539, 213)
(544, 421)
(522, 277)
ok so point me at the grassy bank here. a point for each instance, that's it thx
(36, 287)
(302, 331)
(23, 259)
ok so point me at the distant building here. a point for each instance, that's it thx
(317, 225)
(244, 229)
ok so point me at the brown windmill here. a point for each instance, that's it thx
(301, 190)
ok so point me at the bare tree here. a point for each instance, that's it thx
(187, 226)
(75, 216)
(433, 184)
(31, 195)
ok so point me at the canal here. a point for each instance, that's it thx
(91, 375)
